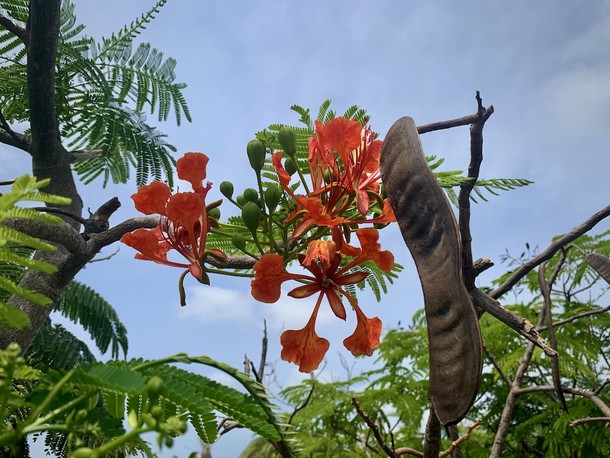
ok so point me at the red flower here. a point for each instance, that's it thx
(344, 168)
(304, 347)
(184, 222)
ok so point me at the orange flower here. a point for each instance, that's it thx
(184, 222)
(304, 347)
(370, 249)
(344, 168)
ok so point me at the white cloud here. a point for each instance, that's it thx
(210, 303)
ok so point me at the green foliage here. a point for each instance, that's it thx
(394, 393)
(102, 90)
(88, 404)
(13, 255)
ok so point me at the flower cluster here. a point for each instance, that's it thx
(344, 168)
(279, 226)
(184, 222)
(304, 347)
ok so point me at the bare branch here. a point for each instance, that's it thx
(601, 405)
(580, 315)
(550, 251)
(302, 406)
(520, 325)
(374, 428)
(476, 158)
(83, 155)
(495, 364)
(463, 121)
(580, 421)
(460, 439)
(19, 32)
(601, 387)
(263, 362)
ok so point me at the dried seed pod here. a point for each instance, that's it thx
(599, 263)
(429, 229)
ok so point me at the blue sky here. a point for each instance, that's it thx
(545, 66)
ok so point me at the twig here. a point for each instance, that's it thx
(463, 121)
(84, 154)
(495, 364)
(580, 421)
(545, 289)
(601, 387)
(601, 405)
(19, 32)
(550, 251)
(303, 405)
(374, 428)
(580, 315)
(400, 451)
(476, 158)
(106, 258)
(261, 366)
(460, 439)
(520, 325)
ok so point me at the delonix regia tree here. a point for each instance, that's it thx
(320, 205)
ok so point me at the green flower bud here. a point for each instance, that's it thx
(256, 154)
(288, 140)
(155, 386)
(272, 196)
(251, 215)
(290, 167)
(156, 411)
(83, 452)
(250, 195)
(214, 213)
(240, 200)
(226, 189)
(239, 242)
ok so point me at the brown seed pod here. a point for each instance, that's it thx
(429, 229)
(599, 263)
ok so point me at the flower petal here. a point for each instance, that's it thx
(320, 250)
(335, 304)
(304, 347)
(269, 274)
(185, 209)
(192, 168)
(365, 338)
(152, 198)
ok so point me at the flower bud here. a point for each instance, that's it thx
(155, 385)
(251, 215)
(214, 213)
(239, 242)
(240, 200)
(288, 140)
(250, 195)
(272, 196)
(290, 167)
(256, 154)
(226, 189)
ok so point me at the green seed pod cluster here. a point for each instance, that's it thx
(272, 196)
(251, 195)
(251, 215)
(288, 140)
(226, 189)
(256, 154)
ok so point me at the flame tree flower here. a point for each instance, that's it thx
(184, 222)
(344, 168)
(304, 347)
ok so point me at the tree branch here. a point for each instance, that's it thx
(463, 121)
(580, 421)
(550, 251)
(374, 428)
(601, 405)
(520, 325)
(476, 158)
(19, 32)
